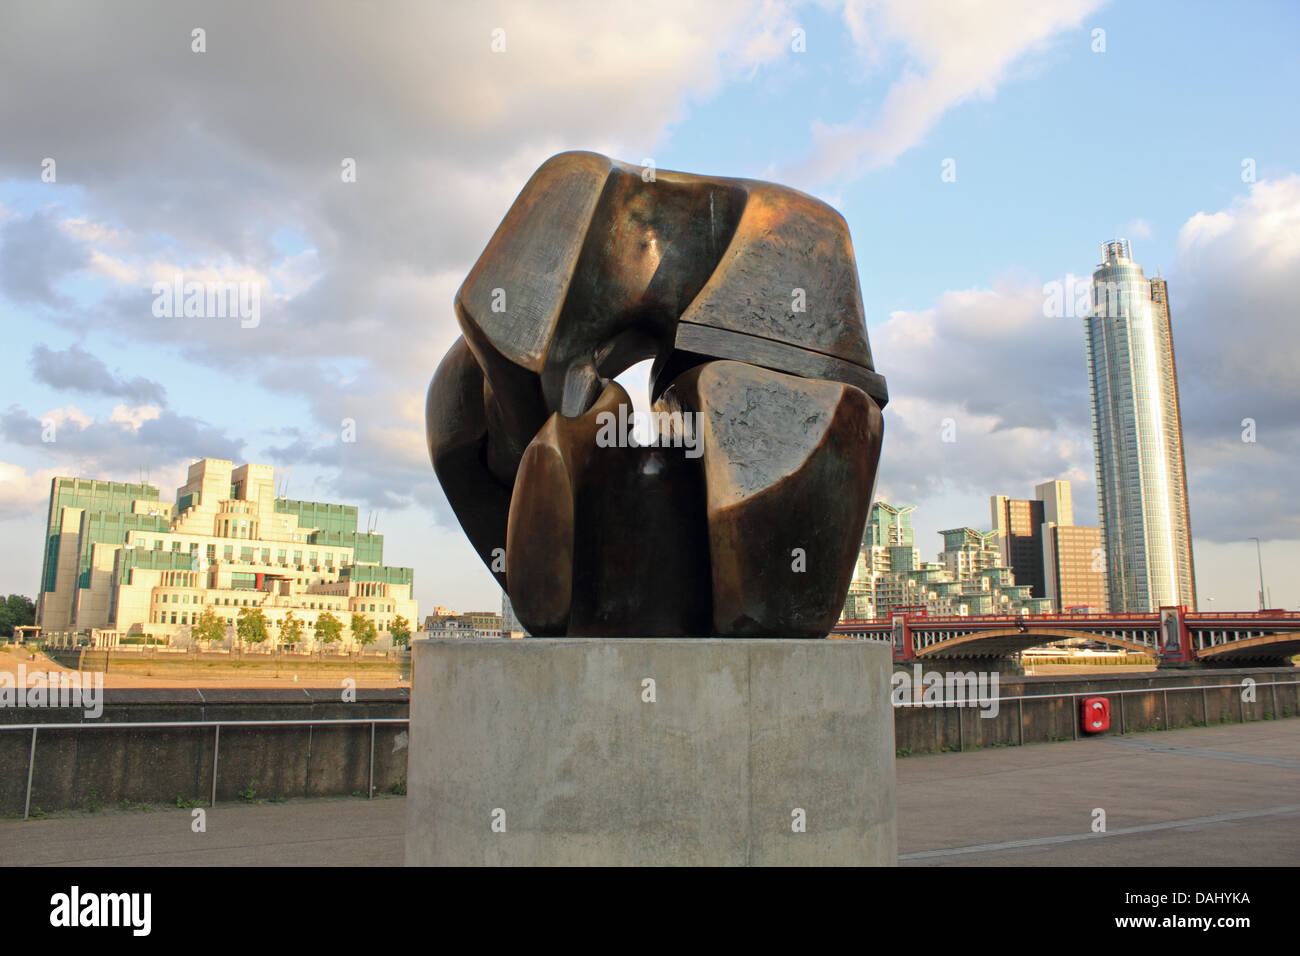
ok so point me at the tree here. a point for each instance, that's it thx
(16, 611)
(363, 630)
(290, 630)
(251, 625)
(401, 631)
(328, 628)
(209, 627)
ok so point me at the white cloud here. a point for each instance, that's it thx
(1136, 229)
(1232, 292)
(134, 415)
(1259, 232)
(956, 51)
(115, 269)
(23, 492)
(69, 415)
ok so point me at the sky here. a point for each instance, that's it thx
(980, 153)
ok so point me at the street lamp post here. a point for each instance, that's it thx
(1259, 557)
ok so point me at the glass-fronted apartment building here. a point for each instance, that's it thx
(1137, 438)
(887, 545)
(120, 562)
(968, 578)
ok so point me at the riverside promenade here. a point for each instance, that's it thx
(1211, 796)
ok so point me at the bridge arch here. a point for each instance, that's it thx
(1010, 640)
(1266, 648)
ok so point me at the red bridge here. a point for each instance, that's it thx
(1172, 635)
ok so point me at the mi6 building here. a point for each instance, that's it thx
(120, 562)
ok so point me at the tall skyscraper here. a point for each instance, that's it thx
(1137, 437)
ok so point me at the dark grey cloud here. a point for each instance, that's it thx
(75, 369)
(35, 253)
(988, 396)
(363, 466)
(993, 353)
(199, 158)
(120, 446)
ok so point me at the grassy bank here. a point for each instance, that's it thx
(234, 668)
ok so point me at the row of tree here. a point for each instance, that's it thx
(251, 628)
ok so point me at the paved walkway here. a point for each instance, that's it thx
(1195, 797)
(347, 831)
(1212, 796)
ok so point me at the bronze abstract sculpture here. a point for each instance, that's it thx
(743, 516)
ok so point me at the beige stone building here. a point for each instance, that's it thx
(1074, 566)
(1076, 577)
(121, 563)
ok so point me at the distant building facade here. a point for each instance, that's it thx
(887, 546)
(469, 624)
(1017, 525)
(120, 562)
(1062, 562)
(968, 578)
(1076, 580)
(966, 552)
(1137, 437)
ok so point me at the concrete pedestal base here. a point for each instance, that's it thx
(651, 752)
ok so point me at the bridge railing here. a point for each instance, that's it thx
(1203, 617)
(1146, 619)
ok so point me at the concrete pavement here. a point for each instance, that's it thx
(1226, 795)
(343, 831)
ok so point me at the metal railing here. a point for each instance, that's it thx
(216, 746)
(1072, 695)
(1019, 699)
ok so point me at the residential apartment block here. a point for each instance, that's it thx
(968, 578)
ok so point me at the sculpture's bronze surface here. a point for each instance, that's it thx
(744, 519)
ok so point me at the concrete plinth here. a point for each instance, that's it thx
(650, 752)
